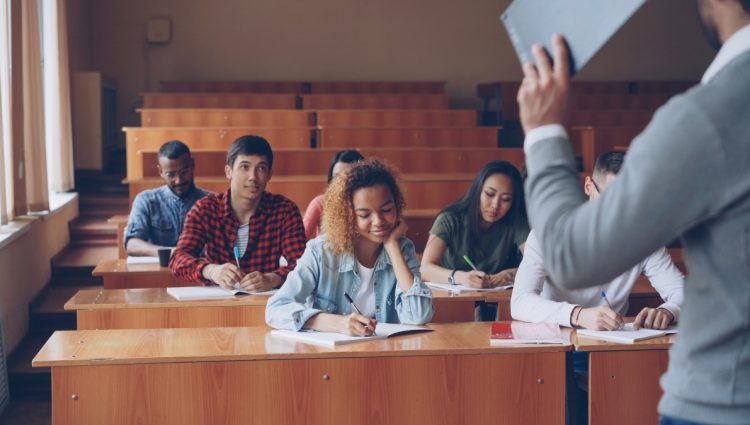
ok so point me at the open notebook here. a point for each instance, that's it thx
(332, 339)
(461, 288)
(188, 293)
(626, 335)
(504, 333)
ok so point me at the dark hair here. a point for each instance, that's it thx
(173, 150)
(745, 5)
(347, 157)
(608, 163)
(468, 204)
(250, 145)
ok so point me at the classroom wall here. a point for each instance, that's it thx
(26, 268)
(461, 42)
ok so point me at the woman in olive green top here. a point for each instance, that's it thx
(487, 224)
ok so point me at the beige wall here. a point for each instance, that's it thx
(26, 268)
(458, 41)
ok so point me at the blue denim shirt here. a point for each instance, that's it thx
(158, 215)
(318, 283)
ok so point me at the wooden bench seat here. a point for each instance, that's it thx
(290, 87)
(220, 100)
(397, 118)
(375, 101)
(222, 117)
(445, 137)
(151, 138)
(412, 87)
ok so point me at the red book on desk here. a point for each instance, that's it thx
(504, 333)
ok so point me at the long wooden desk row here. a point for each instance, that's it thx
(421, 191)
(152, 279)
(305, 87)
(419, 221)
(379, 140)
(249, 376)
(220, 117)
(293, 101)
(288, 162)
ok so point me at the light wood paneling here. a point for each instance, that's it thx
(466, 137)
(394, 118)
(219, 100)
(375, 101)
(197, 117)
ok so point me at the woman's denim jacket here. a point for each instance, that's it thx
(318, 283)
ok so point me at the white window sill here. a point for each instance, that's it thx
(20, 225)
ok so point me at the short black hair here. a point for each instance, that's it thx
(347, 157)
(250, 145)
(608, 163)
(173, 150)
(745, 5)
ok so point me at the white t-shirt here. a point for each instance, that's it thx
(365, 297)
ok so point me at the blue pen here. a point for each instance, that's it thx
(604, 297)
(237, 256)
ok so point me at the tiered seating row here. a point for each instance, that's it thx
(292, 101)
(304, 87)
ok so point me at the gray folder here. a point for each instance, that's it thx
(585, 24)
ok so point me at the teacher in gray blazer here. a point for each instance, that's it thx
(688, 177)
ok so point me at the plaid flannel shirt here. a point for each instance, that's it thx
(210, 231)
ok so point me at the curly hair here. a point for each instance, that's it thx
(339, 218)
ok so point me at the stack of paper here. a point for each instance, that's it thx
(622, 335)
(142, 260)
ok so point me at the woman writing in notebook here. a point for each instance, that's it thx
(363, 254)
(487, 225)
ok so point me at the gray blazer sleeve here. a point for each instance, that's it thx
(665, 187)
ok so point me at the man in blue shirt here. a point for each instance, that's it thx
(158, 214)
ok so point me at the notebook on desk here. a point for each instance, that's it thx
(624, 336)
(190, 293)
(333, 339)
(142, 260)
(504, 333)
(461, 288)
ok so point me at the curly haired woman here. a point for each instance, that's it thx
(363, 254)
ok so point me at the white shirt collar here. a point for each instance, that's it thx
(737, 44)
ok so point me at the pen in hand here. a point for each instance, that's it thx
(485, 279)
(237, 260)
(604, 297)
(354, 306)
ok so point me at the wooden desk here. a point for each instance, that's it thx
(247, 376)
(222, 117)
(410, 137)
(220, 100)
(118, 274)
(374, 101)
(149, 308)
(624, 379)
(397, 118)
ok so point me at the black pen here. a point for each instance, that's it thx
(354, 306)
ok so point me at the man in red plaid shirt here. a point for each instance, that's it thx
(262, 226)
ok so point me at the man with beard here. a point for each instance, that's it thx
(158, 214)
(688, 177)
